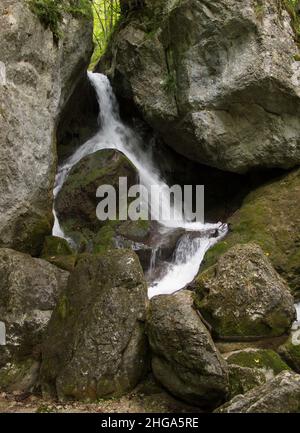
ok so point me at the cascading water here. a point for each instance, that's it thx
(113, 134)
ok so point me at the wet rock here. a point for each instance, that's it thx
(29, 289)
(280, 395)
(184, 357)
(195, 72)
(37, 78)
(269, 216)
(95, 345)
(242, 296)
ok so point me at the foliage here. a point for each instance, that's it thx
(106, 16)
(50, 12)
(293, 7)
(170, 84)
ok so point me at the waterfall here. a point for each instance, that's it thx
(114, 134)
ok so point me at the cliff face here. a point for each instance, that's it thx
(218, 80)
(37, 76)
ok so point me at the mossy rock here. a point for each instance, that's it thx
(76, 202)
(269, 216)
(290, 351)
(55, 246)
(266, 360)
(243, 298)
(242, 379)
(102, 351)
(19, 376)
(58, 252)
(135, 230)
(51, 12)
(66, 263)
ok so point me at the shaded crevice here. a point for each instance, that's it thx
(79, 119)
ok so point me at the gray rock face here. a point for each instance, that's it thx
(243, 297)
(36, 79)
(29, 289)
(96, 346)
(185, 359)
(218, 80)
(280, 395)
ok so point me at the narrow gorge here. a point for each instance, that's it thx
(162, 312)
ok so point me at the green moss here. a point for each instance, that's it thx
(170, 84)
(135, 230)
(54, 246)
(67, 263)
(261, 359)
(13, 374)
(104, 238)
(51, 12)
(62, 307)
(290, 6)
(35, 230)
(259, 9)
(269, 217)
(243, 379)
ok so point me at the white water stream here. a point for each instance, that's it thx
(113, 134)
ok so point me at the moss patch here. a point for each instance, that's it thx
(261, 359)
(243, 379)
(51, 12)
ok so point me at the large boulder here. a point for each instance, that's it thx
(184, 357)
(95, 345)
(29, 289)
(76, 202)
(38, 75)
(220, 82)
(242, 296)
(280, 395)
(269, 216)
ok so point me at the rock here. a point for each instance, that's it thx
(19, 376)
(269, 216)
(242, 379)
(184, 357)
(79, 119)
(95, 345)
(280, 395)
(242, 296)
(54, 246)
(58, 252)
(219, 82)
(29, 289)
(38, 75)
(76, 202)
(266, 361)
(290, 351)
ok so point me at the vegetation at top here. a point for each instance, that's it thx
(50, 12)
(106, 15)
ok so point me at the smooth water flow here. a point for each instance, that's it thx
(113, 134)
